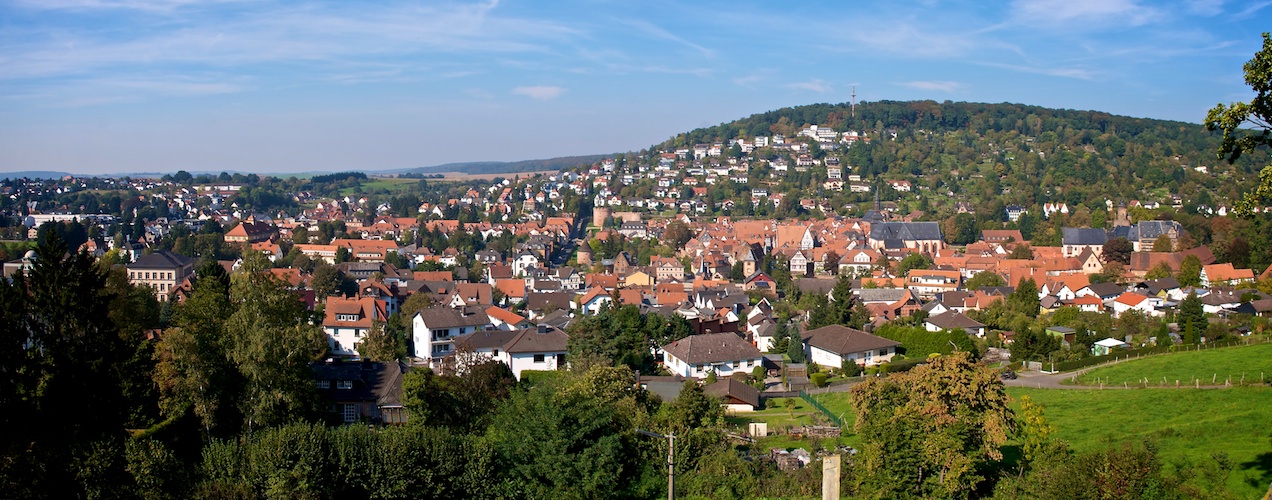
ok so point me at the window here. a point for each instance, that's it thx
(344, 384)
(323, 384)
(496, 352)
(736, 364)
(538, 358)
(350, 412)
(883, 352)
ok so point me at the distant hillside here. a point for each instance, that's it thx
(504, 167)
(33, 174)
(1011, 153)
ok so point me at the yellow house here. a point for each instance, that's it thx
(639, 278)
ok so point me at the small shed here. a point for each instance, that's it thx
(1066, 334)
(1104, 346)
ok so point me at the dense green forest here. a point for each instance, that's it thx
(1012, 153)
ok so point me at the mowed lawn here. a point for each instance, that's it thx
(1191, 423)
(1218, 365)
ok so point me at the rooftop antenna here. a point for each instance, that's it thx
(854, 101)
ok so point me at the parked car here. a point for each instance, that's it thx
(1007, 375)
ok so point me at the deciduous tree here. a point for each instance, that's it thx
(1234, 119)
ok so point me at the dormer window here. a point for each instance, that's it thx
(344, 384)
(323, 384)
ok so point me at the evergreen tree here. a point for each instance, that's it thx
(1192, 319)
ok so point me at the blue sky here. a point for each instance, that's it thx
(99, 86)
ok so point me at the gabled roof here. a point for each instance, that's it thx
(905, 231)
(731, 389)
(538, 339)
(1130, 299)
(1083, 236)
(1106, 290)
(841, 340)
(712, 348)
(161, 259)
(447, 317)
(952, 320)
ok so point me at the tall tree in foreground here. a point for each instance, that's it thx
(63, 396)
(928, 432)
(272, 344)
(1234, 119)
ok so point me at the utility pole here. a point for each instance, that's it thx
(671, 460)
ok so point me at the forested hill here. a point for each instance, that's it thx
(506, 167)
(1015, 153)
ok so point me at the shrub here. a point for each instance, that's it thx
(818, 379)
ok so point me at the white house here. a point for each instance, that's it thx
(1130, 301)
(540, 348)
(832, 345)
(524, 261)
(696, 356)
(434, 329)
(348, 320)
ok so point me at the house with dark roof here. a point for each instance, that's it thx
(954, 320)
(162, 270)
(362, 392)
(696, 356)
(923, 237)
(1076, 239)
(833, 345)
(540, 347)
(434, 329)
(735, 396)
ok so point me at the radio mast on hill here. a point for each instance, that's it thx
(854, 101)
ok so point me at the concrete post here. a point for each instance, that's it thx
(830, 477)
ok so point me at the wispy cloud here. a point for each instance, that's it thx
(272, 34)
(539, 92)
(748, 81)
(905, 39)
(155, 6)
(662, 34)
(1075, 73)
(814, 85)
(937, 86)
(1084, 14)
(1251, 9)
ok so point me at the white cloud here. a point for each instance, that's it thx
(814, 85)
(938, 86)
(539, 92)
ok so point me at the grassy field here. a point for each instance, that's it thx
(378, 183)
(779, 418)
(1218, 365)
(1186, 423)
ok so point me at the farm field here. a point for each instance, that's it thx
(378, 183)
(1186, 423)
(1217, 365)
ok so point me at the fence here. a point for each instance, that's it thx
(1135, 353)
(833, 418)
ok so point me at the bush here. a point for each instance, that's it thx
(818, 379)
(851, 369)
